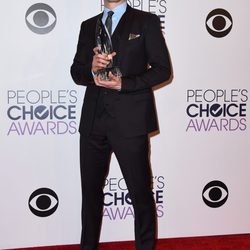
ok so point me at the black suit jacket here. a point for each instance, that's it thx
(144, 63)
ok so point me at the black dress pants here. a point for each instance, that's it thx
(132, 156)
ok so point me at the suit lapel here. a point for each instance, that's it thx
(121, 30)
(123, 23)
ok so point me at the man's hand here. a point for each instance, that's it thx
(114, 82)
(100, 61)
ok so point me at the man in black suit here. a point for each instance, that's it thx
(118, 114)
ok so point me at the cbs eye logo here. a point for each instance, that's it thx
(40, 18)
(215, 194)
(43, 202)
(219, 23)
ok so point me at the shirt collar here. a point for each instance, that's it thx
(118, 10)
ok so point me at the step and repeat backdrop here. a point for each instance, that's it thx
(200, 159)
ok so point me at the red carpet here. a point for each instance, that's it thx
(230, 242)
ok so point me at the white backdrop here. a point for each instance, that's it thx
(200, 160)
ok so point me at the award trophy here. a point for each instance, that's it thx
(104, 44)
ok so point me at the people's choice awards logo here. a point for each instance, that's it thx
(219, 23)
(41, 112)
(117, 201)
(40, 18)
(43, 202)
(215, 194)
(217, 110)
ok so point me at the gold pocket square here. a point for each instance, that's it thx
(133, 36)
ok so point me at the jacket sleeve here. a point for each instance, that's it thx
(159, 69)
(81, 67)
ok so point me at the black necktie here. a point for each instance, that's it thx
(108, 22)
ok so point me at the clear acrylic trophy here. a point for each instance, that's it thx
(104, 44)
